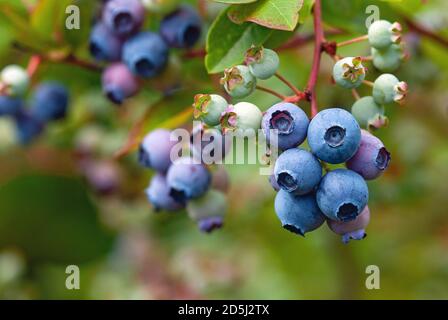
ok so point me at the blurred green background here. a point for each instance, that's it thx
(55, 211)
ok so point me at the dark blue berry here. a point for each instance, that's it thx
(146, 54)
(155, 150)
(181, 28)
(104, 45)
(123, 17)
(10, 105)
(158, 194)
(49, 102)
(28, 127)
(119, 83)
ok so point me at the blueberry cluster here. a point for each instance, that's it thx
(387, 54)
(49, 102)
(184, 182)
(135, 54)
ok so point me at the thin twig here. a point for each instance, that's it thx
(356, 94)
(425, 32)
(351, 41)
(368, 83)
(33, 65)
(274, 93)
(296, 91)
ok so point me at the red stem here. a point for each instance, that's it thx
(33, 65)
(319, 40)
(274, 93)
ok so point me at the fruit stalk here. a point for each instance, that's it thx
(33, 65)
(274, 93)
(351, 41)
(296, 91)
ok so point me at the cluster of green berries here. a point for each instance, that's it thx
(349, 72)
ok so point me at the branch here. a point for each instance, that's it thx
(319, 40)
(274, 93)
(426, 32)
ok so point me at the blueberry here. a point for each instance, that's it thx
(238, 81)
(49, 102)
(274, 183)
(369, 114)
(334, 135)
(181, 28)
(209, 107)
(119, 83)
(10, 105)
(220, 179)
(243, 116)
(208, 211)
(290, 122)
(349, 72)
(383, 34)
(103, 176)
(387, 88)
(104, 45)
(351, 230)
(123, 17)
(209, 145)
(342, 195)
(263, 63)
(28, 127)
(158, 194)
(389, 59)
(297, 171)
(371, 159)
(155, 150)
(187, 180)
(16, 80)
(298, 214)
(146, 54)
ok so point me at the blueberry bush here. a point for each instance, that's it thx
(118, 118)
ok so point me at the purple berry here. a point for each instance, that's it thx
(124, 17)
(297, 171)
(208, 211)
(119, 83)
(371, 159)
(290, 122)
(104, 45)
(298, 214)
(351, 230)
(158, 194)
(187, 179)
(155, 150)
(181, 28)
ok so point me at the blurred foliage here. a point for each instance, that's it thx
(53, 215)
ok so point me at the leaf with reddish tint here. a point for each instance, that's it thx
(273, 14)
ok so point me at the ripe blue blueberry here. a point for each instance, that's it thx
(334, 135)
(10, 105)
(290, 122)
(104, 45)
(16, 80)
(181, 28)
(369, 114)
(155, 150)
(382, 34)
(187, 180)
(124, 17)
(49, 102)
(209, 107)
(243, 116)
(208, 211)
(119, 83)
(146, 54)
(389, 59)
(342, 195)
(238, 81)
(263, 63)
(297, 171)
(349, 72)
(158, 194)
(351, 230)
(387, 88)
(298, 214)
(371, 159)
(28, 127)
(274, 183)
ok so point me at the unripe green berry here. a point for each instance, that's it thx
(382, 34)
(387, 88)
(263, 63)
(369, 114)
(238, 81)
(388, 60)
(212, 204)
(209, 107)
(349, 72)
(243, 115)
(16, 80)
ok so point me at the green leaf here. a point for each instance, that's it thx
(227, 42)
(48, 17)
(51, 219)
(235, 1)
(273, 14)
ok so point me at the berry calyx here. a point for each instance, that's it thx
(243, 116)
(263, 63)
(238, 81)
(382, 34)
(349, 72)
(209, 107)
(387, 88)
